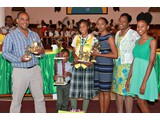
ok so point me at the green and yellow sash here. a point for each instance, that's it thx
(86, 48)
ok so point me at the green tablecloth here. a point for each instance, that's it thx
(157, 68)
(47, 66)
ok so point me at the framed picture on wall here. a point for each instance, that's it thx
(86, 10)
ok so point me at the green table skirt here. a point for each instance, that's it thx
(47, 65)
(157, 68)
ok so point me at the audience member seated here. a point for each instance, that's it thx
(8, 25)
(68, 24)
(50, 22)
(94, 30)
(59, 25)
(72, 24)
(93, 26)
(55, 33)
(43, 23)
(51, 33)
(112, 25)
(48, 31)
(74, 31)
(65, 32)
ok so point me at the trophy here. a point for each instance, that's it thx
(35, 46)
(27, 53)
(81, 52)
(86, 56)
(96, 47)
(59, 43)
(60, 80)
(54, 48)
(83, 56)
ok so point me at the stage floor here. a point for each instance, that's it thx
(28, 106)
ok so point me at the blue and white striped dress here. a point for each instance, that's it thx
(104, 66)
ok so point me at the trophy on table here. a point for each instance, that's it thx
(35, 46)
(59, 43)
(96, 47)
(60, 80)
(27, 53)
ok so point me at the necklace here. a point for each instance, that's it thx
(122, 34)
(83, 41)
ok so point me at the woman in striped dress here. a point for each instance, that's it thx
(104, 64)
(82, 82)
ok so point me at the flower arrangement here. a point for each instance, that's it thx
(1, 39)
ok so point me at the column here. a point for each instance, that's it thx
(2, 16)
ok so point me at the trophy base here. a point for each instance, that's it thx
(35, 52)
(59, 58)
(37, 56)
(60, 83)
(93, 61)
(82, 61)
(28, 58)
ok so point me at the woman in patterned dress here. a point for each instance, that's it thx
(125, 41)
(142, 73)
(82, 82)
(104, 64)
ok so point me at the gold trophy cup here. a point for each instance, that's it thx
(35, 46)
(96, 47)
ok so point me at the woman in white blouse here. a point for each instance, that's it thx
(125, 41)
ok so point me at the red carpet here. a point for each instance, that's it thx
(28, 107)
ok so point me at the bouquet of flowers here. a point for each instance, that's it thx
(1, 39)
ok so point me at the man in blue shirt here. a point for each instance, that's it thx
(26, 72)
